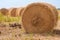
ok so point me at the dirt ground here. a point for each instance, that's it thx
(18, 33)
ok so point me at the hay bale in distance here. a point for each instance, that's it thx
(4, 11)
(12, 12)
(19, 11)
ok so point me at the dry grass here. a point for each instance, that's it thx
(9, 18)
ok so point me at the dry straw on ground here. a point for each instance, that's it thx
(39, 18)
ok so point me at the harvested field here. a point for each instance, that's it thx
(14, 31)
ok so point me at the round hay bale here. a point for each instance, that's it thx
(12, 12)
(19, 11)
(55, 12)
(38, 18)
(4, 11)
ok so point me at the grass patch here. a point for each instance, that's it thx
(9, 18)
